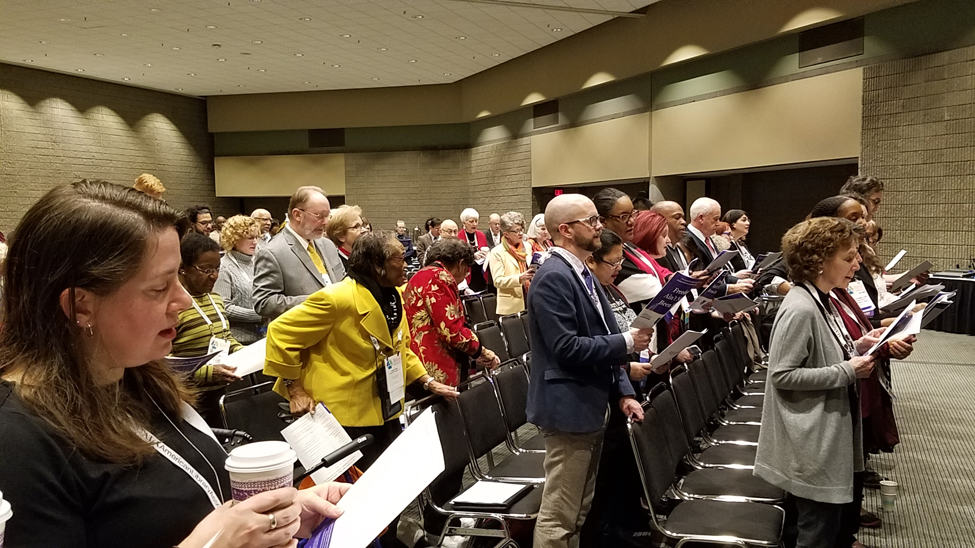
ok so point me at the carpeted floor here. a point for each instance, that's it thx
(934, 465)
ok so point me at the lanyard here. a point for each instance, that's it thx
(834, 322)
(175, 458)
(209, 322)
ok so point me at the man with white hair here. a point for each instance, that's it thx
(494, 233)
(575, 373)
(263, 217)
(469, 218)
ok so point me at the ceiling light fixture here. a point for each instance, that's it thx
(125, 78)
(64, 20)
(447, 74)
(461, 37)
(496, 54)
(97, 54)
(176, 48)
(418, 16)
(307, 83)
(124, 35)
(42, 42)
(154, 10)
(221, 59)
(28, 60)
(191, 74)
(148, 65)
(262, 70)
(336, 65)
(383, 50)
(299, 54)
(413, 60)
(375, 78)
(211, 27)
(179, 89)
(345, 35)
(304, 19)
(556, 29)
(258, 42)
(79, 70)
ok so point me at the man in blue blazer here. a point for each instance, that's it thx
(577, 351)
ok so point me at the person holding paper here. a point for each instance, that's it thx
(577, 351)
(509, 265)
(204, 328)
(436, 315)
(235, 284)
(740, 223)
(100, 445)
(810, 443)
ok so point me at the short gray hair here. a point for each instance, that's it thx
(510, 219)
(469, 213)
(701, 206)
(532, 229)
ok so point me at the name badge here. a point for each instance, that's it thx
(218, 345)
(395, 384)
(859, 293)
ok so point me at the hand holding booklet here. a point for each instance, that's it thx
(905, 325)
(314, 436)
(686, 339)
(722, 259)
(711, 292)
(905, 279)
(733, 304)
(249, 359)
(673, 291)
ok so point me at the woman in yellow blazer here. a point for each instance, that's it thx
(348, 347)
(509, 265)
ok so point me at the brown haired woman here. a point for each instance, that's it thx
(100, 446)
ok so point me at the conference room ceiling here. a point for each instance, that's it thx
(201, 48)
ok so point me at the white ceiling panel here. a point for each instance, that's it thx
(209, 47)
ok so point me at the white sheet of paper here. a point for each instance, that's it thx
(769, 259)
(899, 328)
(395, 382)
(249, 359)
(315, 436)
(733, 304)
(905, 279)
(918, 294)
(722, 259)
(489, 492)
(895, 260)
(686, 339)
(392, 482)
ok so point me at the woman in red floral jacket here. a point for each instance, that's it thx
(436, 315)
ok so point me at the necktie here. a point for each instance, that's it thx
(707, 241)
(590, 286)
(316, 259)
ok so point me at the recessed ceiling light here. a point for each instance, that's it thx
(124, 35)
(305, 19)
(461, 37)
(176, 48)
(299, 54)
(28, 60)
(258, 42)
(336, 65)
(221, 59)
(211, 27)
(307, 82)
(262, 70)
(179, 89)
(447, 74)
(154, 10)
(496, 54)
(126, 78)
(148, 65)
(556, 29)
(413, 60)
(375, 78)
(64, 20)
(418, 16)
(97, 54)
(345, 35)
(191, 74)
(42, 42)
(383, 50)
(79, 70)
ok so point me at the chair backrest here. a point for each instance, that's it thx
(254, 410)
(733, 373)
(490, 303)
(689, 402)
(740, 342)
(652, 456)
(474, 310)
(663, 401)
(515, 335)
(524, 321)
(490, 336)
(482, 418)
(715, 376)
(510, 382)
(706, 395)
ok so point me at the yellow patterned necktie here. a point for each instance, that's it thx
(316, 259)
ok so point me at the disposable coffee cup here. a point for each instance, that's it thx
(258, 467)
(888, 494)
(5, 514)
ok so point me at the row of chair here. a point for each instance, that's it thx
(480, 308)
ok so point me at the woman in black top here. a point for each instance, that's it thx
(100, 447)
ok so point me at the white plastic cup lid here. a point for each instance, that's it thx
(261, 456)
(5, 510)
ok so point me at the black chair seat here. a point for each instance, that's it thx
(736, 432)
(527, 505)
(727, 454)
(745, 414)
(752, 521)
(523, 465)
(760, 375)
(712, 482)
(751, 401)
(534, 443)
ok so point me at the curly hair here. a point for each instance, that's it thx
(809, 244)
(864, 185)
(510, 220)
(370, 252)
(237, 228)
(450, 252)
(149, 184)
(341, 220)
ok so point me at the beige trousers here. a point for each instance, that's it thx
(571, 461)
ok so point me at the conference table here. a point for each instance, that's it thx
(959, 317)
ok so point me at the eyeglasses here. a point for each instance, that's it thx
(515, 231)
(318, 216)
(398, 259)
(205, 223)
(622, 217)
(614, 264)
(357, 226)
(207, 271)
(593, 221)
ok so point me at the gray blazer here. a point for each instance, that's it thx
(284, 274)
(808, 444)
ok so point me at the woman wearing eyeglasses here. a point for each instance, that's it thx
(204, 328)
(510, 265)
(344, 227)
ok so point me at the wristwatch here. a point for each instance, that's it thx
(289, 382)
(426, 385)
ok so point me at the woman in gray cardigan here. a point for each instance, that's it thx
(236, 281)
(810, 442)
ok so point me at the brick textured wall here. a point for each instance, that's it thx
(415, 185)
(919, 138)
(56, 128)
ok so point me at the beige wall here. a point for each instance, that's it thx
(805, 120)
(278, 175)
(618, 49)
(605, 151)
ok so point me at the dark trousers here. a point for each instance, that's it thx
(384, 436)
(851, 512)
(812, 524)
